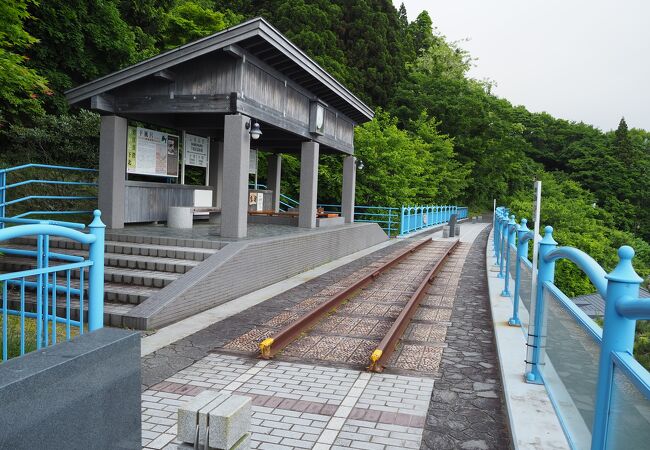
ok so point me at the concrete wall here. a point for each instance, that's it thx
(82, 394)
(243, 267)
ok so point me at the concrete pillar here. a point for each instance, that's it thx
(216, 172)
(349, 186)
(308, 184)
(273, 178)
(234, 201)
(112, 170)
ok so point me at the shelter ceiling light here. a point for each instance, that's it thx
(255, 130)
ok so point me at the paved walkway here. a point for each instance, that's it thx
(321, 405)
(466, 410)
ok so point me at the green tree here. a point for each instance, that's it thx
(80, 40)
(421, 33)
(20, 85)
(622, 142)
(191, 20)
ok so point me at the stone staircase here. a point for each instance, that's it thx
(135, 268)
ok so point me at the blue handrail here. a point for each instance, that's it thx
(5, 188)
(619, 288)
(42, 279)
(414, 218)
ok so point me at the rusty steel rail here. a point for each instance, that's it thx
(379, 358)
(271, 346)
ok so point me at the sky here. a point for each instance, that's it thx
(579, 60)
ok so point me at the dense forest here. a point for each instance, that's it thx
(439, 136)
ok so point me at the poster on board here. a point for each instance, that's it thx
(151, 152)
(197, 150)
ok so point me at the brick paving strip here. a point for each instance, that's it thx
(466, 409)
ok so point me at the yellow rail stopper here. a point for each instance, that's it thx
(265, 347)
(376, 355)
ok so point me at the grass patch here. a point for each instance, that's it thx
(13, 335)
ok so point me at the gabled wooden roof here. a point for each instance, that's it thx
(259, 38)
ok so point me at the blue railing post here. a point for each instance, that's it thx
(545, 272)
(494, 230)
(502, 225)
(96, 277)
(511, 228)
(3, 195)
(522, 250)
(618, 336)
(402, 221)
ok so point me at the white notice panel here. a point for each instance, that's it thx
(151, 152)
(260, 201)
(252, 162)
(197, 150)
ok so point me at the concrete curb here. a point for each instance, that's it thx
(531, 417)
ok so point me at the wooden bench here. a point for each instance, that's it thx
(205, 209)
(319, 214)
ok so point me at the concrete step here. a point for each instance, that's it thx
(160, 251)
(122, 236)
(113, 312)
(126, 248)
(120, 260)
(113, 292)
(137, 277)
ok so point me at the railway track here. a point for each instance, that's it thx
(405, 269)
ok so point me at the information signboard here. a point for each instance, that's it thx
(197, 150)
(151, 152)
(252, 161)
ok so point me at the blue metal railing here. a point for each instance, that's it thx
(600, 392)
(414, 218)
(51, 285)
(6, 188)
(393, 220)
(387, 217)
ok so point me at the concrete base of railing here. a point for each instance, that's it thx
(532, 418)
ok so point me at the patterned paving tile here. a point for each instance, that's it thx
(297, 405)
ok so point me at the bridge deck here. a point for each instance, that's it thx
(441, 390)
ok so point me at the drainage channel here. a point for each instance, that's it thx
(364, 322)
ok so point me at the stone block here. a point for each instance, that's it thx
(79, 394)
(227, 417)
(229, 422)
(188, 415)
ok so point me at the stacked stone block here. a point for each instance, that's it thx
(221, 419)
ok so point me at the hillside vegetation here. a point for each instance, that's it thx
(438, 135)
